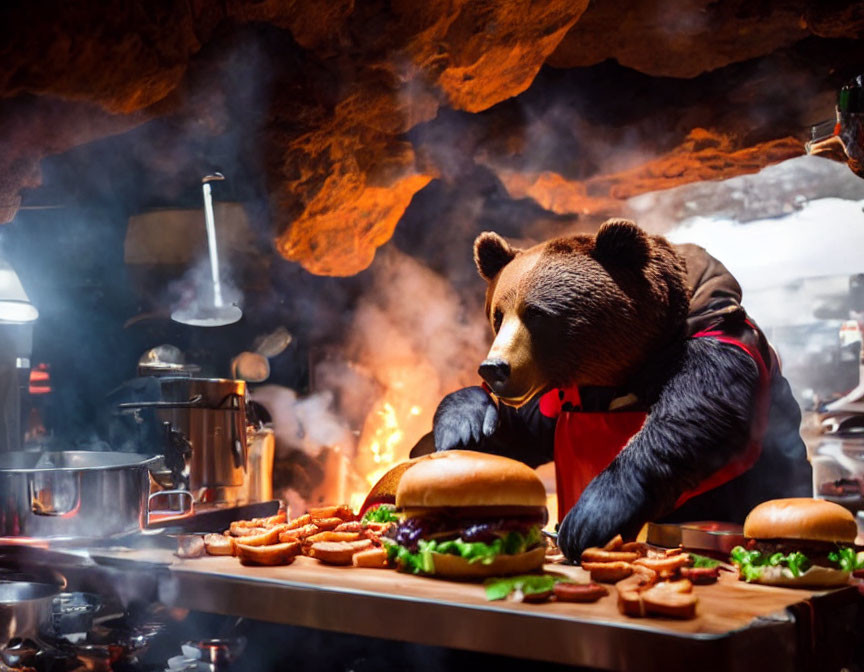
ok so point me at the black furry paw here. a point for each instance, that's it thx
(599, 515)
(464, 418)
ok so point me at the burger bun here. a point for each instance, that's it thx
(466, 478)
(801, 518)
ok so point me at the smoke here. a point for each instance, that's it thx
(412, 339)
(309, 423)
(411, 312)
(394, 350)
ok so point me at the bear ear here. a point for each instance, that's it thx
(491, 254)
(621, 242)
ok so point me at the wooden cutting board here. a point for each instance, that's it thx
(723, 607)
(738, 625)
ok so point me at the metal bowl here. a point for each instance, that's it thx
(25, 609)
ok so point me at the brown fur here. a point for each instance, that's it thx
(596, 307)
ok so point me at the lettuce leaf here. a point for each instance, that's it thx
(383, 513)
(704, 561)
(751, 563)
(421, 561)
(528, 584)
(847, 558)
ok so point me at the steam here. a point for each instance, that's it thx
(412, 339)
(309, 424)
(413, 314)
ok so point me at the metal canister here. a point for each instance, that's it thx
(259, 475)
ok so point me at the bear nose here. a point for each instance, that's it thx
(494, 371)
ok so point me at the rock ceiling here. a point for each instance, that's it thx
(349, 109)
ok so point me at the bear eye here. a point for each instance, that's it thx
(533, 314)
(497, 319)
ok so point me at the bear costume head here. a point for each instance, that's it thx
(580, 310)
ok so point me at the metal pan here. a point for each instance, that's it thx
(710, 536)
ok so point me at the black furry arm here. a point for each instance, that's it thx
(700, 421)
(524, 434)
(470, 418)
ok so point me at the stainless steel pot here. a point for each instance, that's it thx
(211, 414)
(26, 609)
(76, 494)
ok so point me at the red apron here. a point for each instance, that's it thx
(587, 442)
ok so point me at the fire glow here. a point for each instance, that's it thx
(401, 357)
(392, 427)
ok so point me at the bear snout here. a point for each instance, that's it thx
(496, 372)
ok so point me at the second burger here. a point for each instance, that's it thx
(469, 515)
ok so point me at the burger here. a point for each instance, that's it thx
(798, 542)
(468, 515)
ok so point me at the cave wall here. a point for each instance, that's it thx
(342, 113)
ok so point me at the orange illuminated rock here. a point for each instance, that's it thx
(494, 50)
(679, 39)
(704, 155)
(347, 84)
(340, 230)
(558, 194)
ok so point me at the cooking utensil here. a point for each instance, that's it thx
(165, 360)
(259, 474)
(218, 314)
(111, 647)
(216, 520)
(25, 609)
(76, 494)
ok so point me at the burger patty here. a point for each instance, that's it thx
(450, 525)
(816, 551)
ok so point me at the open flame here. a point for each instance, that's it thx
(397, 420)
(413, 339)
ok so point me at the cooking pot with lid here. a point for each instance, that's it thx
(210, 413)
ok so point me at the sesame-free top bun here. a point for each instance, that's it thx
(801, 518)
(468, 478)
